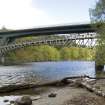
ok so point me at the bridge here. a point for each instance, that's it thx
(57, 42)
(81, 35)
(9, 36)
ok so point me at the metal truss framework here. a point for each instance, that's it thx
(70, 40)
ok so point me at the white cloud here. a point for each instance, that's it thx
(17, 14)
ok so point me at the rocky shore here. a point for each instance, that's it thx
(60, 94)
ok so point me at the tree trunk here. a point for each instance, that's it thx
(99, 67)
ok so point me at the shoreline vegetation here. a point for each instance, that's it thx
(49, 53)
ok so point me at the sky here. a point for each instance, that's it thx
(23, 14)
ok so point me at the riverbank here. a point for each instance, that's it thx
(64, 95)
(20, 63)
(70, 96)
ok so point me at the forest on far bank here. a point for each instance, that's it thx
(50, 53)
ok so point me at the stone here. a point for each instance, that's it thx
(6, 100)
(12, 102)
(24, 100)
(36, 98)
(52, 95)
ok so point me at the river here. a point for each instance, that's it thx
(39, 71)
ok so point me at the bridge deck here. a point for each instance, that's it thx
(81, 28)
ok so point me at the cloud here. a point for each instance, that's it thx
(15, 14)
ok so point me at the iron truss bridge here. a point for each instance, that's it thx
(80, 35)
(81, 40)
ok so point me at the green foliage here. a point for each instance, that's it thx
(65, 53)
(48, 53)
(98, 19)
(35, 53)
(98, 13)
(75, 53)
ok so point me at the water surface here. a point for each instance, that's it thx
(42, 71)
(31, 72)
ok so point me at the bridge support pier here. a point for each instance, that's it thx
(2, 60)
(3, 41)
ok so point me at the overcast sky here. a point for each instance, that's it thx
(18, 14)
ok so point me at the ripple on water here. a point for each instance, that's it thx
(37, 72)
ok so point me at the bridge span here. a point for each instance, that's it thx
(8, 36)
(66, 29)
(75, 41)
(81, 35)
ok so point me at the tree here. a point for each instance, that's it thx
(97, 16)
(65, 53)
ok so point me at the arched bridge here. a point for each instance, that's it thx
(82, 35)
(77, 41)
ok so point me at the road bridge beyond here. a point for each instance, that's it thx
(7, 36)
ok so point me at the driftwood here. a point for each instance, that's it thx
(82, 82)
(91, 88)
(10, 88)
(62, 82)
(85, 76)
(77, 80)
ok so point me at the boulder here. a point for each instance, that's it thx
(52, 95)
(24, 100)
(6, 100)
